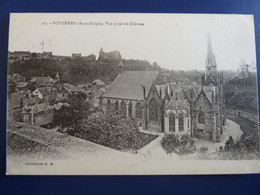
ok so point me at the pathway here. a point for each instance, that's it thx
(231, 129)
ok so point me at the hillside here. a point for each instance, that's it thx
(80, 70)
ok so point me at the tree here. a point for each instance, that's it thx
(111, 130)
(70, 117)
(181, 145)
(247, 148)
(246, 71)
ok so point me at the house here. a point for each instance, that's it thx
(11, 84)
(14, 105)
(46, 94)
(76, 55)
(18, 78)
(62, 94)
(83, 87)
(43, 81)
(38, 114)
(71, 89)
(89, 95)
(22, 86)
(170, 108)
(22, 55)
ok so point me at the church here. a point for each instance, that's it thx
(197, 110)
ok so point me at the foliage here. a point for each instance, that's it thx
(79, 71)
(108, 129)
(75, 71)
(113, 131)
(203, 149)
(69, 118)
(247, 148)
(181, 145)
(243, 99)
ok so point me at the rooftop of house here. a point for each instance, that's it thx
(21, 84)
(43, 80)
(180, 92)
(98, 82)
(37, 108)
(44, 90)
(69, 87)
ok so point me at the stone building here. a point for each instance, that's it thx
(127, 94)
(171, 108)
(38, 114)
(105, 57)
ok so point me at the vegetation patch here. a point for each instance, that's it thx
(181, 145)
(108, 129)
(113, 131)
(244, 149)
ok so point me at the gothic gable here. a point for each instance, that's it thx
(211, 80)
(202, 102)
(153, 93)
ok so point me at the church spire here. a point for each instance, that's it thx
(211, 65)
(210, 60)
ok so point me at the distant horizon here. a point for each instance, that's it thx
(174, 41)
(124, 59)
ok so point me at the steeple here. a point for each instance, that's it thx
(211, 65)
(210, 60)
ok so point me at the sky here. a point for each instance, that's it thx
(174, 41)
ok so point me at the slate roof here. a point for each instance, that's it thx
(98, 82)
(21, 84)
(70, 88)
(208, 90)
(43, 81)
(44, 90)
(38, 108)
(127, 85)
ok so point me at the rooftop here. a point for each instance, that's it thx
(128, 85)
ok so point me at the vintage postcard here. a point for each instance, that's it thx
(132, 94)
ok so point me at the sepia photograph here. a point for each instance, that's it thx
(132, 94)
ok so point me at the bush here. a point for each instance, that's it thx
(247, 148)
(181, 145)
(113, 131)
(203, 149)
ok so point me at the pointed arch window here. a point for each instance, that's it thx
(201, 117)
(123, 109)
(130, 109)
(153, 110)
(109, 105)
(181, 122)
(116, 107)
(138, 110)
(171, 123)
